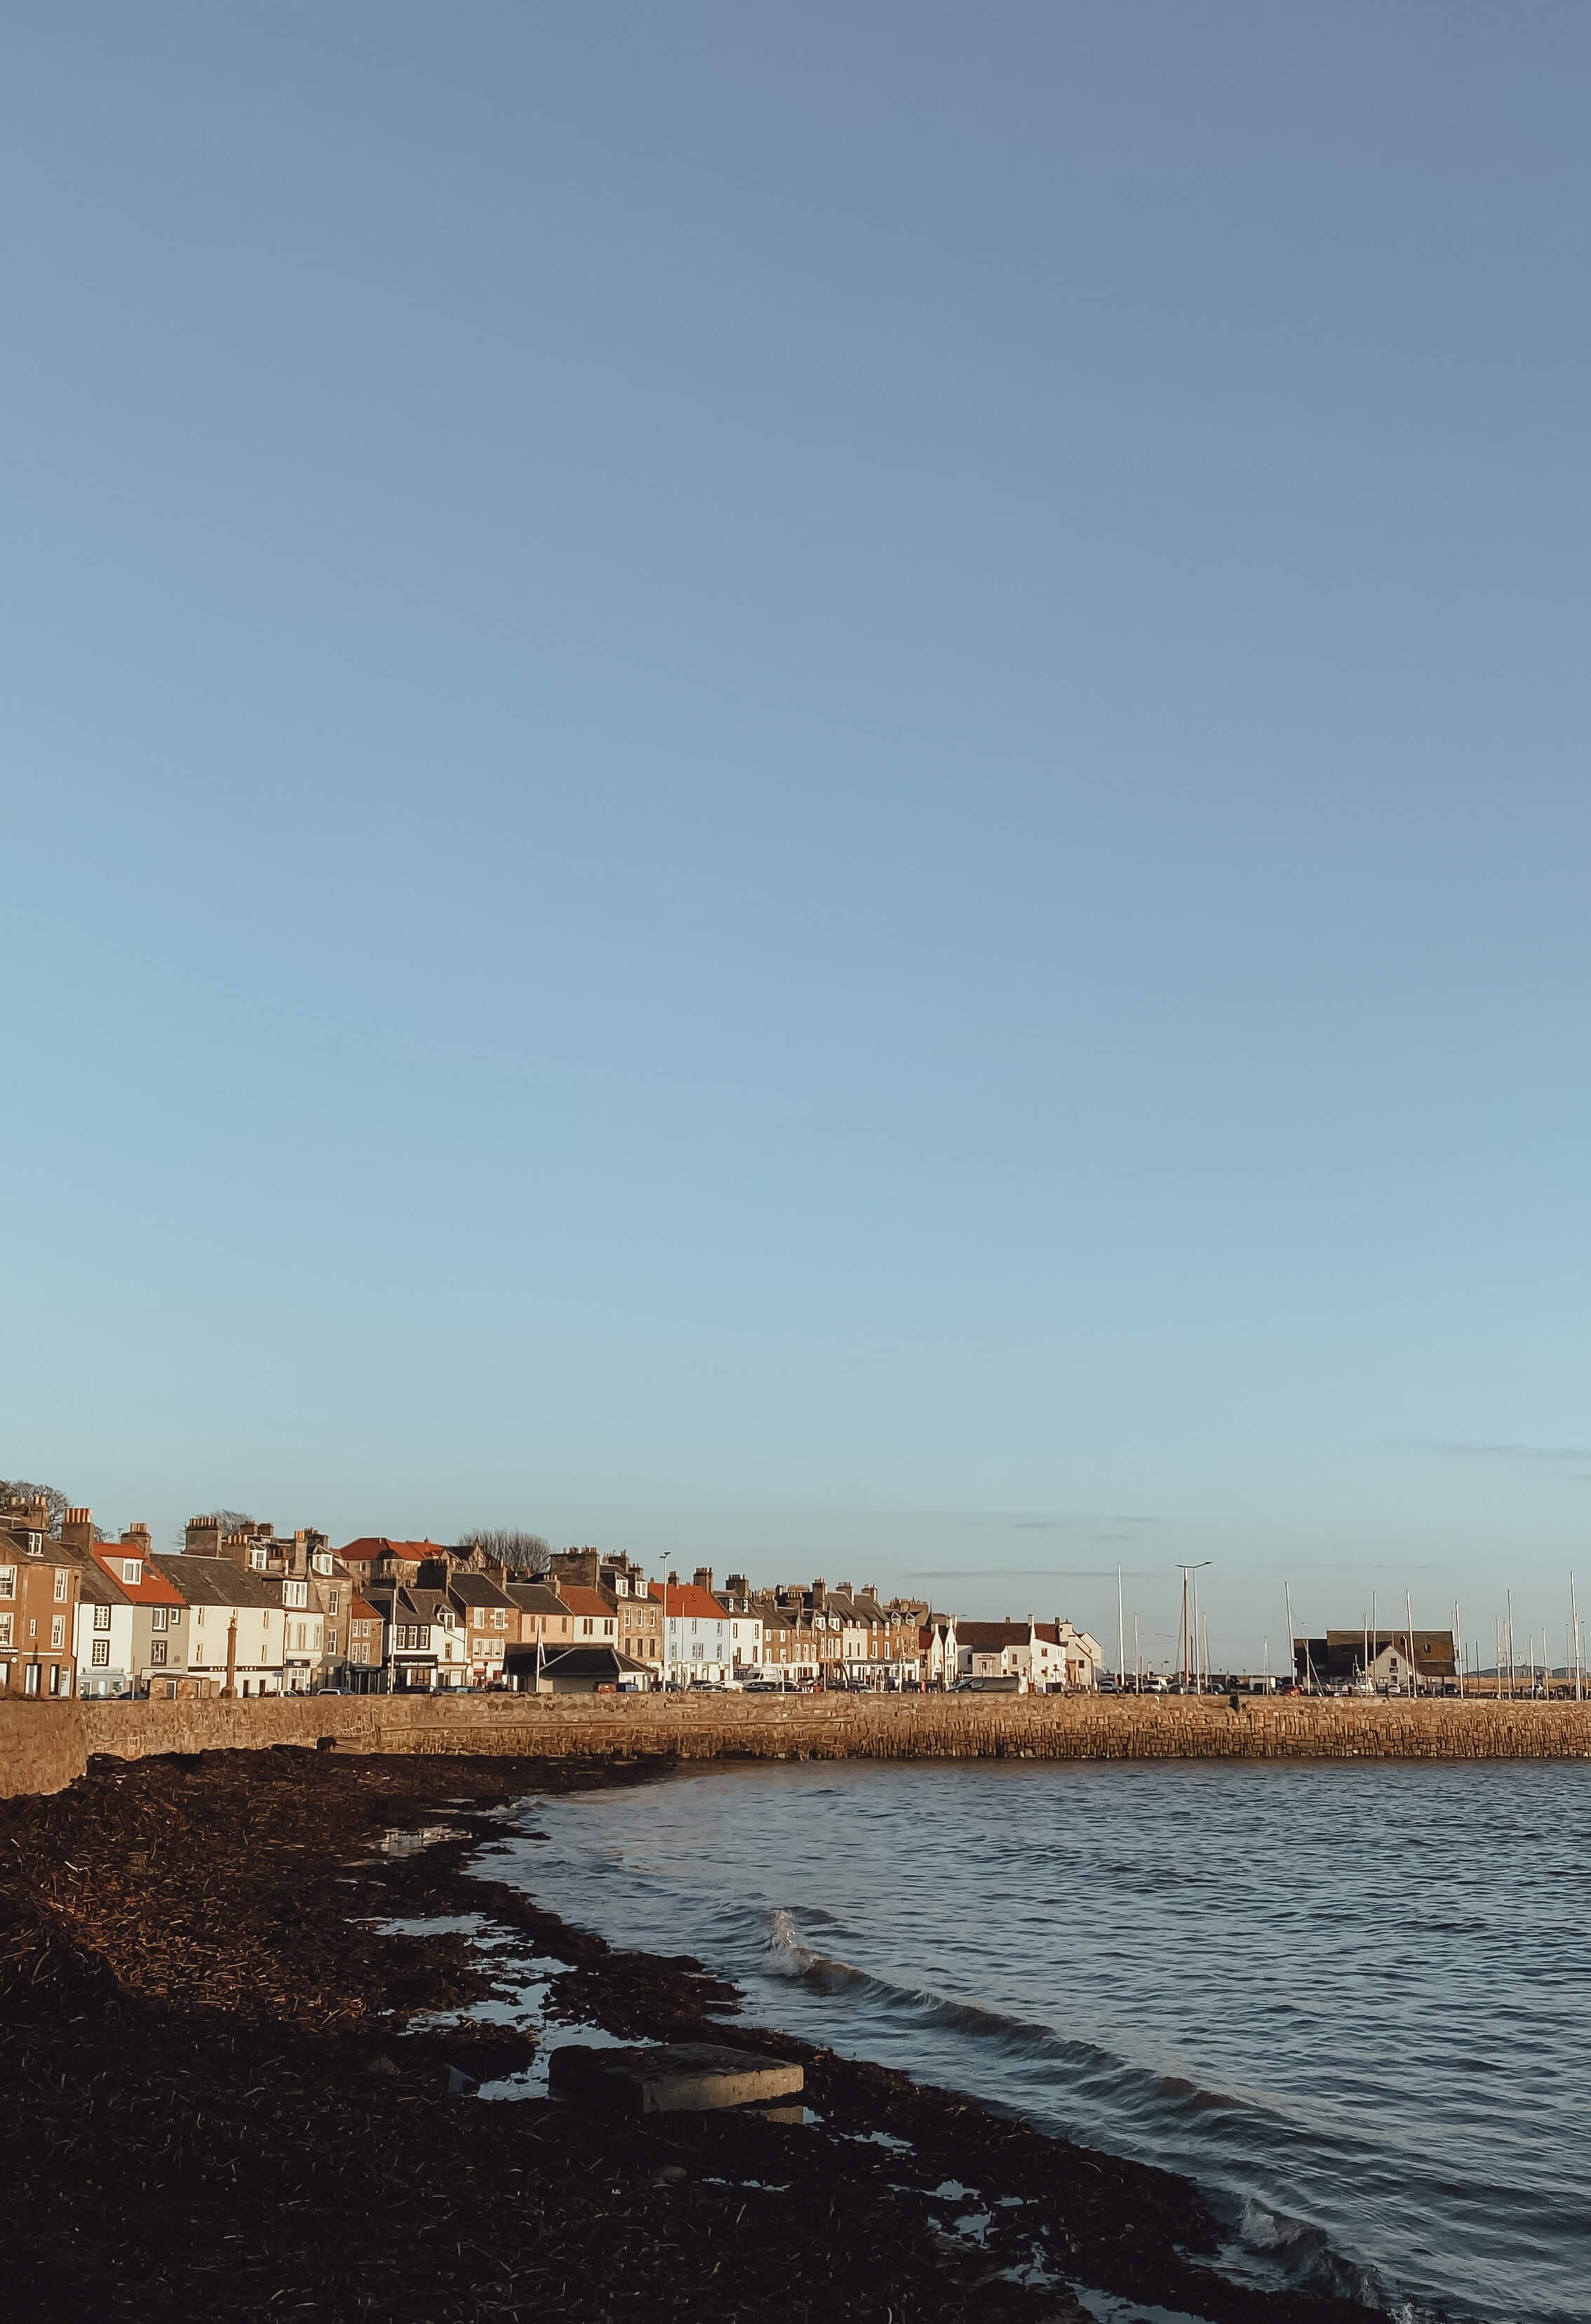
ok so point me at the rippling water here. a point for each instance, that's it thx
(1349, 2000)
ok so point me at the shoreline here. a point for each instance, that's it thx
(223, 2097)
(47, 1745)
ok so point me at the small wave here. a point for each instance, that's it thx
(1304, 2255)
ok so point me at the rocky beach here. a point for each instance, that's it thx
(234, 2087)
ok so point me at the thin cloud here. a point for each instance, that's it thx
(1474, 1448)
(1069, 1525)
(1022, 1573)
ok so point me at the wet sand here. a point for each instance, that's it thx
(219, 2100)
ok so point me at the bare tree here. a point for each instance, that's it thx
(522, 1553)
(17, 1489)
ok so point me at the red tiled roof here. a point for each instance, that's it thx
(371, 1546)
(685, 1598)
(579, 1599)
(363, 1611)
(153, 1589)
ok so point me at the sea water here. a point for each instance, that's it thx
(1351, 2000)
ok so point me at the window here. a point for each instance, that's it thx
(102, 1618)
(101, 1654)
(256, 1560)
(499, 1618)
(295, 1593)
(585, 1627)
(58, 1631)
(6, 1621)
(331, 1642)
(322, 1563)
(157, 1650)
(131, 1571)
(60, 1585)
(158, 1618)
(331, 1599)
(7, 1581)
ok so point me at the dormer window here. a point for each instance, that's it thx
(322, 1563)
(256, 1560)
(133, 1571)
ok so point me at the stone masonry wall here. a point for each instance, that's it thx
(45, 1746)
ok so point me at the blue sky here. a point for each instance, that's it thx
(807, 788)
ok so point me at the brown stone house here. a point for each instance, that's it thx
(638, 1618)
(818, 1641)
(364, 1643)
(488, 1615)
(39, 1585)
(374, 1557)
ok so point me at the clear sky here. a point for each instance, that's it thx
(806, 787)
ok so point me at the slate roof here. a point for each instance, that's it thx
(536, 1598)
(578, 1662)
(474, 1590)
(214, 1582)
(96, 1588)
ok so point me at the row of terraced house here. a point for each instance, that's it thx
(248, 1611)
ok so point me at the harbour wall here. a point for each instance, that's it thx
(45, 1746)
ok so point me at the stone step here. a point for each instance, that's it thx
(670, 2078)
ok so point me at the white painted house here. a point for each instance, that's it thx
(229, 1624)
(702, 1637)
(103, 1632)
(1044, 1655)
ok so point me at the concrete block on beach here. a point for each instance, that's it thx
(670, 2078)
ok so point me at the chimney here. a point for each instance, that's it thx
(703, 1577)
(674, 1582)
(76, 1530)
(820, 1592)
(738, 1586)
(137, 1539)
(202, 1537)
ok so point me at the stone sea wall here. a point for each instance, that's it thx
(45, 1746)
